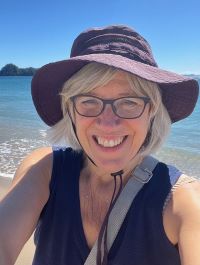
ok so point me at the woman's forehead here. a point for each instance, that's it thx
(118, 84)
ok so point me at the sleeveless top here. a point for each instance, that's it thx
(59, 235)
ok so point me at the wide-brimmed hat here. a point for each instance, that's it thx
(123, 48)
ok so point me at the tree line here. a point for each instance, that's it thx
(13, 70)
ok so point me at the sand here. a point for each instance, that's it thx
(26, 255)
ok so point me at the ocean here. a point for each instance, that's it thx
(22, 131)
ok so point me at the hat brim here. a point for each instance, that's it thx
(179, 93)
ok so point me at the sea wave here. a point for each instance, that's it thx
(5, 175)
(13, 151)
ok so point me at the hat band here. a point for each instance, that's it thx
(117, 44)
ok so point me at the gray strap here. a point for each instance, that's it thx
(141, 175)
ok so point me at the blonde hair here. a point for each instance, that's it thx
(94, 75)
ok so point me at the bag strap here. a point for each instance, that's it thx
(141, 175)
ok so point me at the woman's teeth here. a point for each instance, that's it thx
(109, 143)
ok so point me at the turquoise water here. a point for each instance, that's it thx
(21, 131)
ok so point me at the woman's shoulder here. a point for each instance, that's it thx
(186, 195)
(39, 161)
(181, 211)
(181, 186)
(186, 208)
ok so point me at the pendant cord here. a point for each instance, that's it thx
(104, 228)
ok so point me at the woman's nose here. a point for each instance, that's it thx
(108, 117)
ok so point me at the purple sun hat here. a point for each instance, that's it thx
(123, 48)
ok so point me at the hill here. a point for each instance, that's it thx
(13, 70)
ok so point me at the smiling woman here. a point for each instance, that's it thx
(114, 106)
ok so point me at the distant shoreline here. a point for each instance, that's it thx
(14, 75)
(13, 70)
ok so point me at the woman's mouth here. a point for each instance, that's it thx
(110, 143)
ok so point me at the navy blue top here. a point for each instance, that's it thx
(60, 238)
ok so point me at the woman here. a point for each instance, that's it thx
(114, 106)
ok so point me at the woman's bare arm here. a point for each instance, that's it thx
(186, 206)
(21, 207)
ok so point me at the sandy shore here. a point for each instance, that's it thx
(27, 253)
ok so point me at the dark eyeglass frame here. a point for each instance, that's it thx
(108, 102)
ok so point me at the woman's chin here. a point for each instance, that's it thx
(108, 166)
(112, 159)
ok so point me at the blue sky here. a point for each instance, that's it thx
(34, 33)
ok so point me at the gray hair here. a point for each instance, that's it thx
(94, 75)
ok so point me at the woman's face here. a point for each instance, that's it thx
(96, 133)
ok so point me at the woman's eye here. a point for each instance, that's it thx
(129, 103)
(89, 102)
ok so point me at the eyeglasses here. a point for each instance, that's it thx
(125, 107)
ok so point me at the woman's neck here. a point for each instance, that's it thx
(97, 178)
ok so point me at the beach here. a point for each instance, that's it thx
(26, 255)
